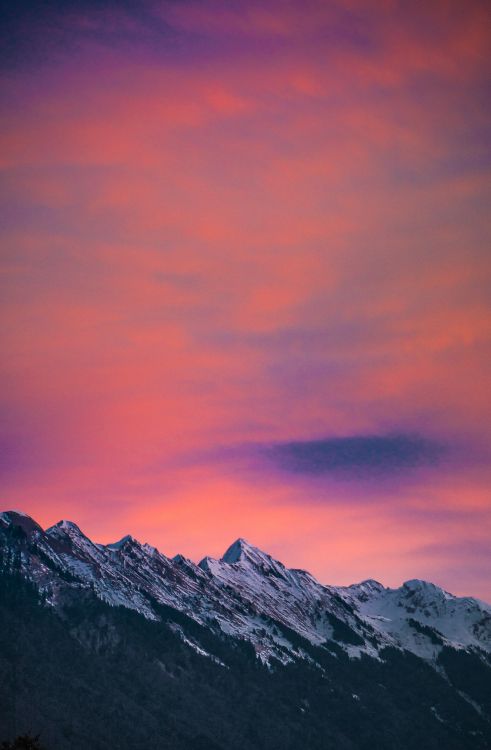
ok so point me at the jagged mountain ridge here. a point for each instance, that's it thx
(246, 594)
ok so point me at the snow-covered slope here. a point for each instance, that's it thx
(293, 598)
(421, 617)
(245, 594)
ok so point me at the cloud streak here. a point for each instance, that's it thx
(356, 456)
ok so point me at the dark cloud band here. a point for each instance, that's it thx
(358, 454)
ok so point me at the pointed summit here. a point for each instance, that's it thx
(242, 553)
(239, 550)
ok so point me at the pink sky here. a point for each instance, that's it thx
(230, 229)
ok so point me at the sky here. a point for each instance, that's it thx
(246, 279)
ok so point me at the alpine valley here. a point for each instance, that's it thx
(119, 646)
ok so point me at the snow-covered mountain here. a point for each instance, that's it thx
(246, 594)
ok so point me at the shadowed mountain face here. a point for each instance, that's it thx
(240, 652)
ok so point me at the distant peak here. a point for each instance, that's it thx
(367, 589)
(121, 543)
(415, 584)
(371, 583)
(64, 529)
(18, 518)
(64, 525)
(13, 512)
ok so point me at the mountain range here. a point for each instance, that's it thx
(118, 645)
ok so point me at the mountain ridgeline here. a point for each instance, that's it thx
(119, 646)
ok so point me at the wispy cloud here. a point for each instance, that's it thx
(356, 455)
